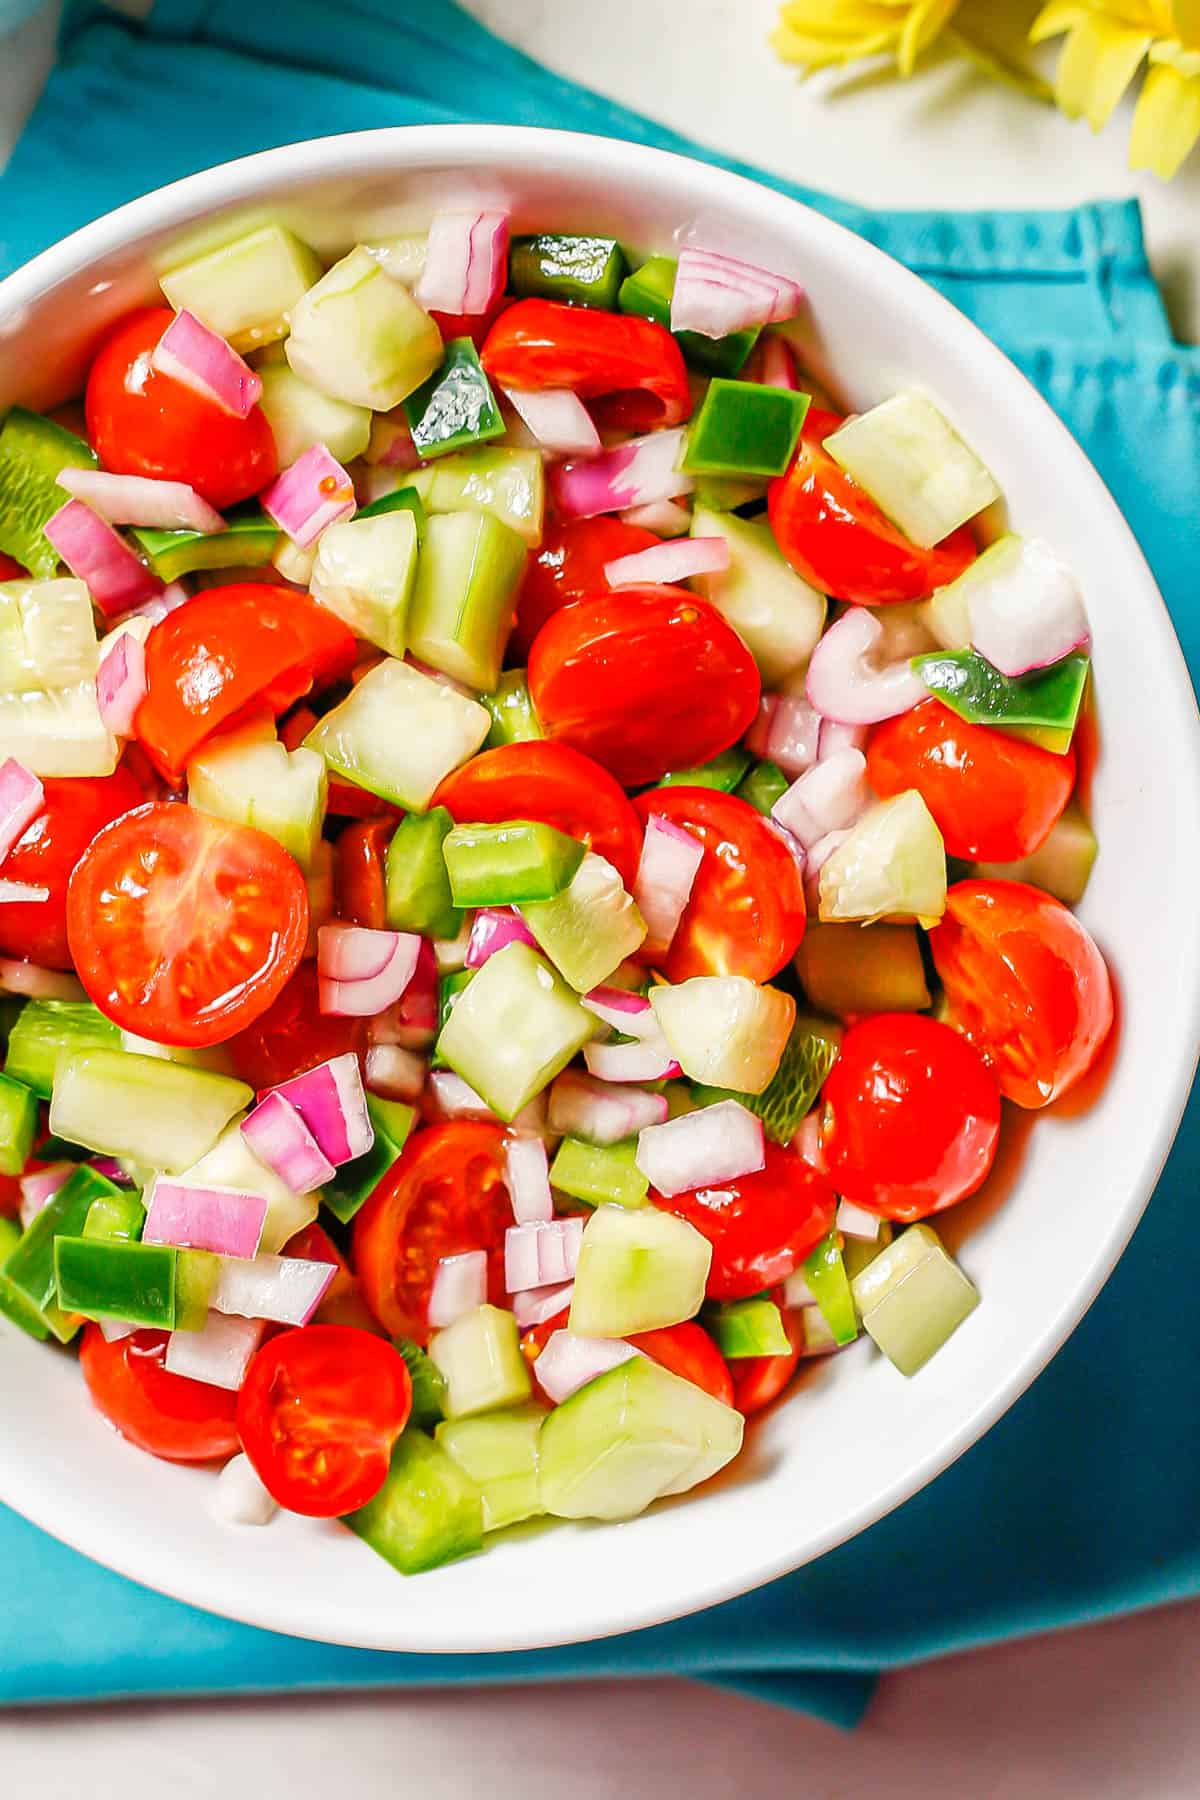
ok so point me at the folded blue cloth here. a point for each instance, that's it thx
(1085, 1499)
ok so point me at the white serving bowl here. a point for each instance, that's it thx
(1073, 1194)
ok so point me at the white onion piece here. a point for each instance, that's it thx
(792, 734)
(225, 1221)
(828, 797)
(459, 1286)
(138, 500)
(174, 595)
(650, 1059)
(624, 1011)
(527, 1178)
(796, 1291)
(116, 579)
(716, 295)
(701, 1149)
(121, 682)
(541, 1254)
(282, 1141)
(669, 563)
(113, 1330)
(189, 352)
(331, 1102)
(777, 364)
(632, 474)
(491, 929)
(856, 1222)
(807, 1142)
(22, 798)
(36, 983)
(238, 1497)
(558, 419)
(666, 518)
(285, 1289)
(1029, 615)
(41, 1186)
(315, 492)
(844, 681)
(219, 1353)
(361, 972)
(670, 862)
(569, 1362)
(835, 737)
(455, 1098)
(395, 1073)
(466, 263)
(533, 1306)
(600, 1114)
(818, 855)
(22, 893)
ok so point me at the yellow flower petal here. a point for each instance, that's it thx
(1054, 19)
(1169, 50)
(920, 29)
(999, 68)
(823, 53)
(1166, 121)
(1097, 63)
(1185, 22)
(850, 18)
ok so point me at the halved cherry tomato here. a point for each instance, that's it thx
(688, 1350)
(910, 1116)
(544, 344)
(761, 1225)
(318, 1414)
(358, 872)
(230, 651)
(993, 797)
(342, 1302)
(554, 785)
(184, 927)
(643, 679)
(570, 566)
(746, 912)
(445, 1194)
(47, 851)
(757, 1380)
(11, 569)
(10, 1196)
(166, 1415)
(293, 1034)
(836, 537)
(143, 423)
(1026, 984)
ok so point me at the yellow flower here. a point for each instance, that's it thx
(1107, 43)
(822, 34)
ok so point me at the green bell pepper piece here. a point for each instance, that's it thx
(105, 1278)
(502, 865)
(428, 1384)
(724, 772)
(583, 271)
(13, 1304)
(648, 291)
(788, 1097)
(416, 884)
(246, 542)
(29, 1271)
(601, 1175)
(1043, 705)
(120, 1216)
(405, 499)
(455, 408)
(744, 428)
(763, 786)
(751, 1327)
(826, 1275)
(513, 718)
(356, 1181)
(18, 1124)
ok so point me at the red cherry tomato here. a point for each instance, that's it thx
(342, 1302)
(318, 1414)
(570, 566)
(184, 927)
(293, 1034)
(746, 912)
(757, 1380)
(143, 423)
(761, 1225)
(556, 786)
(10, 1196)
(645, 680)
(1025, 983)
(910, 1116)
(993, 797)
(47, 851)
(688, 1350)
(11, 570)
(445, 1194)
(228, 652)
(836, 537)
(544, 344)
(166, 1415)
(358, 872)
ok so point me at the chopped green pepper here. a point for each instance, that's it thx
(648, 291)
(246, 542)
(583, 271)
(744, 428)
(826, 1276)
(503, 865)
(18, 1124)
(723, 772)
(120, 1215)
(763, 786)
(29, 1271)
(513, 718)
(455, 408)
(405, 499)
(605, 1175)
(417, 887)
(13, 1304)
(105, 1278)
(1043, 705)
(355, 1181)
(751, 1327)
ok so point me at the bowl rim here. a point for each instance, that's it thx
(448, 146)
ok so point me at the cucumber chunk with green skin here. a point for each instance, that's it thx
(28, 1275)
(46, 1030)
(232, 1164)
(724, 1030)
(246, 289)
(360, 336)
(120, 1216)
(103, 1278)
(47, 636)
(499, 1452)
(638, 1269)
(33, 453)
(365, 571)
(763, 786)
(508, 485)
(18, 1124)
(825, 1273)
(777, 614)
(480, 1360)
(907, 456)
(1046, 701)
(789, 1096)
(428, 1384)
(1062, 865)
(892, 863)
(13, 1304)
(450, 986)
(631, 1436)
(247, 542)
(257, 782)
(648, 293)
(912, 1297)
(159, 1113)
(405, 499)
(514, 1027)
(590, 928)
(723, 772)
(552, 265)
(417, 893)
(399, 733)
(356, 1181)
(744, 428)
(514, 720)
(300, 416)
(455, 408)
(751, 1327)
(464, 600)
(427, 1512)
(601, 1175)
(499, 865)
(845, 969)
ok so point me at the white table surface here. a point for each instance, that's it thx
(1112, 1712)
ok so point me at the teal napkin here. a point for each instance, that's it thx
(1085, 1499)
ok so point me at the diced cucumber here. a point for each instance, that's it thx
(480, 1359)
(893, 864)
(104, 1278)
(58, 733)
(907, 456)
(399, 733)
(500, 1454)
(648, 293)
(455, 408)
(451, 982)
(216, 1058)
(159, 1113)
(404, 499)
(359, 336)
(591, 927)
(356, 1181)
(514, 1027)
(825, 1273)
(763, 786)
(510, 485)
(1062, 865)
(232, 1164)
(13, 1304)
(725, 1031)
(499, 865)
(632, 1435)
(247, 542)
(417, 886)
(294, 564)
(428, 1384)
(119, 1216)
(48, 1029)
(912, 1297)
(638, 1269)
(33, 453)
(364, 572)
(584, 271)
(751, 1327)
(427, 1512)
(777, 614)
(946, 613)
(808, 1056)
(463, 604)
(721, 772)
(28, 1275)
(847, 969)
(859, 1253)
(513, 719)
(403, 256)
(47, 636)
(18, 1124)
(246, 289)
(250, 781)
(603, 1175)
(300, 416)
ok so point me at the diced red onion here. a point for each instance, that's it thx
(856, 1222)
(670, 862)
(466, 263)
(665, 517)
(137, 500)
(569, 1362)
(807, 1142)
(36, 983)
(585, 1108)
(391, 447)
(459, 1286)
(648, 1058)
(395, 1073)
(282, 1141)
(22, 893)
(224, 1220)
(1028, 616)
(791, 733)
(701, 1149)
(362, 972)
(111, 1169)
(835, 737)
(491, 929)
(121, 683)
(674, 562)
(314, 493)
(558, 419)
(412, 1022)
(285, 1289)
(796, 1291)
(541, 1253)
(219, 1353)
(632, 474)
(158, 606)
(113, 1330)
(617, 1007)
(40, 1186)
(238, 1497)
(22, 798)
(847, 684)
(527, 1178)
(116, 579)
(818, 855)
(777, 364)
(190, 353)
(454, 1098)
(533, 1306)
(828, 797)
(716, 295)
(331, 1102)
